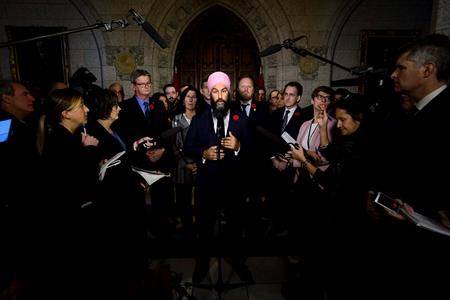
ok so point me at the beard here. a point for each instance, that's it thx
(241, 97)
(220, 108)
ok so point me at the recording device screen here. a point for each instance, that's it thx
(387, 202)
(5, 128)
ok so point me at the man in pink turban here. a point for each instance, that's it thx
(213, 142)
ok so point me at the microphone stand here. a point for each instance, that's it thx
(79, 29)
(303, 52)
(108, 26)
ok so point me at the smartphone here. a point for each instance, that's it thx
(5, 128)
(387, 202)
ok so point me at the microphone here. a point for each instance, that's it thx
(148, 28)
(277, 47)
(270, 50)
(275, 140)
(297, 38)
(170, 132)
(368, 70)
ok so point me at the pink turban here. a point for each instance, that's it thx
(218, 77)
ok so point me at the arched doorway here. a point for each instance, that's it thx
(216, 40)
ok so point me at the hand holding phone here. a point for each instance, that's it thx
(391, 205)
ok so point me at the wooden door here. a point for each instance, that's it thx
(216, 41)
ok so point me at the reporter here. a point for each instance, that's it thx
(68, 151)
(70, 164)
(343, 180)
(339, 240)
(119, 210)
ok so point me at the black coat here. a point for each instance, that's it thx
(345, 181)
(201, 136)
(132, 125)
(411, 164)
(71, 170)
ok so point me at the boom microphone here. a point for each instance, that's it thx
(148, 28)
(277, 47)
(170, 132)
(278, 142)
(271, 50)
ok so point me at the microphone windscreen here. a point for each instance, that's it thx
(270, 50)
(154, 34)
(170, 132)
(279, 144)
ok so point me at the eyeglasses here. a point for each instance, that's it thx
(193, 97)
(323, 98)
(143, 84)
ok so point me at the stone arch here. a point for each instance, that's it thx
(173, 17)
(90, 16)
(341, 17)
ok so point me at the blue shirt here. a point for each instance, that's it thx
(141, 103)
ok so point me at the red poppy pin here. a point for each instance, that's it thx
(297, 114)
(152, 106)
(235, 118)
(253, 106)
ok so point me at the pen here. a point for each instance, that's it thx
(84, 129)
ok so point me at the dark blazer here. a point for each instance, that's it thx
(71, 169)
(344, 181)
(258, 113)
(292, 127)
(201, 136)
(418, 157)
(132, 125)
(258, 117)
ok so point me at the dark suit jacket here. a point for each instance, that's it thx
(71, 169)
(421, 157)
(201, 136)
(292, 127)
(132, 125)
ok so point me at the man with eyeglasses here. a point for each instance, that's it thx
(143, 116)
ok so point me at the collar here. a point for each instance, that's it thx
(427, 99)
(142, 100)
(292, 109)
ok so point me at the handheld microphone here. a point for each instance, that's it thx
(148, 28)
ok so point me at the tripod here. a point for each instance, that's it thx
(220, 286)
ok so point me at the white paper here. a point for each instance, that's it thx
(150, 176)
(113, 161)
(426, 222)
(288, 138)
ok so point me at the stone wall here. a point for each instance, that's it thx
(84, 47)
(442, 17)
(377, 15)
(331, 28)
